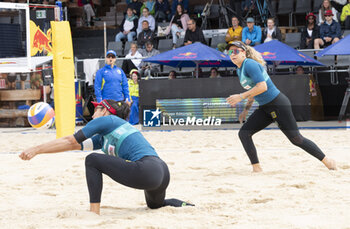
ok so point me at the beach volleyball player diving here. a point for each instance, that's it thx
(128, 157)
(273, 105)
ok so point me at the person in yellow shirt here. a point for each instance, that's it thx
(134, 94)
(233, 34)
(345, 15)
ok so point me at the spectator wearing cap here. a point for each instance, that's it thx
(193, 33)
(326, 6)
(330, 31)
(148, 69)
(128, 26)
(271, 32)
(134, 93)
(145, 35)
(146, 16)
(309, 33)
(251, 34)
(345, 15)
(111, 81)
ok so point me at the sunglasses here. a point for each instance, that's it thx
(111, 56)
(235, 51)
(328, 15)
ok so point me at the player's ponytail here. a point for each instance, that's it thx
(123, 109)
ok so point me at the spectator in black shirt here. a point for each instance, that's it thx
(309, 33)
(162, 11)
(136, 6)
(145, 35)
(193, 34)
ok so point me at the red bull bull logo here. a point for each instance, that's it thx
(40, 41)
(268, 55)
(187, 55)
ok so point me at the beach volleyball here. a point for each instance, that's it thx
(41, 115)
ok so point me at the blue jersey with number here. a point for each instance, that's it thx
(115, 136)
(251, 73)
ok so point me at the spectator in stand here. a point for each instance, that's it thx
(90, 14)
(299, 70)
(134, 94)
(172, 75)
(330, 31)
(310, 32)
(133, 60)
(146, 16)
(148, 69)
(178, 23)
(251, 34)
(136, 7)
(345, 15)
(150, 5)
(214, 73)
(184, 4)
(193, 34)
(145, 35)
(339, 4)
(233, 34)
(128, 26)
(162, 11)
(326, 6)
(271, 32)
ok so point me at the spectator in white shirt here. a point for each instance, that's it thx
(134, 59)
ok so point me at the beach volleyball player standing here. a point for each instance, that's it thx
(129, 159)
(273, 105)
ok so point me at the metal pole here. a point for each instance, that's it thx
(105, 36)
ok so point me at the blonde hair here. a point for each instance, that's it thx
(253, 54)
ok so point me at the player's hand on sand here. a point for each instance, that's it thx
(234, 99)
(242, 116)
(28, 154)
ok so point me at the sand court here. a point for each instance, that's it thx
(208, 168)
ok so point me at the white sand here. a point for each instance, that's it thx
(208, 168)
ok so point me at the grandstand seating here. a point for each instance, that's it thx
(217, 40)
(180, 42)
(165, 45)
(301, 9)
(293, 39)
(117, 46)
(127, 48)
(286, 7)
(316, 5)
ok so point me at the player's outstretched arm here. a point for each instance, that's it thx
(58, 145)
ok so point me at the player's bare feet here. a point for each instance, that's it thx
(95, 208)
(329, 163)
(257, 168)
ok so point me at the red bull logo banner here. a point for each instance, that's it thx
(186, 55)
(268, 55)
(40, 42)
